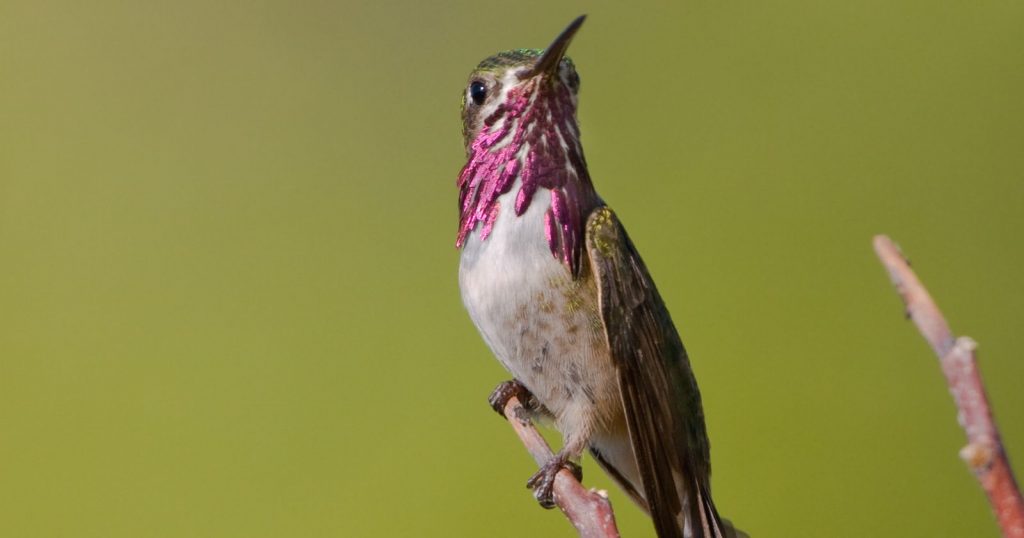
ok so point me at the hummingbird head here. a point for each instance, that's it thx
(519, 127)
(520, 75)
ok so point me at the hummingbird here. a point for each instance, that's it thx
(559, 293)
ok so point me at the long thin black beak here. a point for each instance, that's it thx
(548, 62)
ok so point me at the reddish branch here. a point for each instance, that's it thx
(984, 452)
(589, 511)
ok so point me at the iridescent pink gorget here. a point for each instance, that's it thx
(539, 115)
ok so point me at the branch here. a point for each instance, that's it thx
(589, 511)
(984, 452)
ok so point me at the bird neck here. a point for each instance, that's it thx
(532, 137)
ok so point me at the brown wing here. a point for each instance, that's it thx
(656, 384)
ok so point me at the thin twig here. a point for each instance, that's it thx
(984, 452)
(589, 511)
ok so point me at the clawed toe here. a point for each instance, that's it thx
(504, 392)
(543, 481)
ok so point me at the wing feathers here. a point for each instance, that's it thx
(658, 391)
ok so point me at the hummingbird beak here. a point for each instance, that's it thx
(548, 62)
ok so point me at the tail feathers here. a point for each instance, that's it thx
(699, 520)
(713, 525)
(710, 522)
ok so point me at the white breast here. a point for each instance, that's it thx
(543, 325)
(500, 275)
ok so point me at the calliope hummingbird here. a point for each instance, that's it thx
(560, 294)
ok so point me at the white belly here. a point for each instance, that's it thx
(543, 325)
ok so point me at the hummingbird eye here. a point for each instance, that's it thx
(478, 92)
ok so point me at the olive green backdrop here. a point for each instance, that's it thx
(228, 299)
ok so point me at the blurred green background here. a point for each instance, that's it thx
(228, 299)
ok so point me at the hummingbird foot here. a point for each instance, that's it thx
(543, 482)
(505, 391)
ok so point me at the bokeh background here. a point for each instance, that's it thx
(228, 299)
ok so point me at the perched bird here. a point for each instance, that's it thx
(560, 294)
